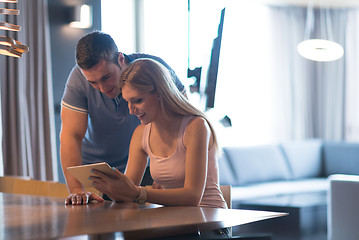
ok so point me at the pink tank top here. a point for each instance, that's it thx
(170, 171)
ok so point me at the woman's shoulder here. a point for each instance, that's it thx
(198, 128)
(138, 133)
(196, 123)
(138, 137)
(139, 129)
(197, 120)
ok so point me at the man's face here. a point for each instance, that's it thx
(105, 77)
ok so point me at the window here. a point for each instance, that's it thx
(264, 86)
(162, 28)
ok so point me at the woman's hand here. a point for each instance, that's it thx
(156, 185)
(82, 197)
(118, 187)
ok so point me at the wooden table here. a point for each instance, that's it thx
(34, 217)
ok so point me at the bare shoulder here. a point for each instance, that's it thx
(136, 139)
(198, 129)
(197, 125)
(138, 131)
(197, 121)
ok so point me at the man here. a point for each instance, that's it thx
(96, 124)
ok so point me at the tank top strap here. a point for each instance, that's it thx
(145, 137)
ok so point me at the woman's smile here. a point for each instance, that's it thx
(140, 116)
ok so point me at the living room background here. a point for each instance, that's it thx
(265, 87)
(269, 92)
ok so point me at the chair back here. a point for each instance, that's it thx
(26, 185)
(226, 191)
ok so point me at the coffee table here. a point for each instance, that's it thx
(307, 219)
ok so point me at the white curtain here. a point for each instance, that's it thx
(352, 73)
(316, 88)
(26, 98)
(273, 94)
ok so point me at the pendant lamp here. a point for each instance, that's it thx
(318, 44)
(9, 46)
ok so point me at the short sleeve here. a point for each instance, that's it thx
(75, 94)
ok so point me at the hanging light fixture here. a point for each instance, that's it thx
(81, 16)
(9, 46)
(318, 44)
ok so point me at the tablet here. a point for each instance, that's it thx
(83, 172)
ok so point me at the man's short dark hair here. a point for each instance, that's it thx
(96, 46)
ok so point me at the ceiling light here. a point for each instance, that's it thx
(318, 44)
(320, 50)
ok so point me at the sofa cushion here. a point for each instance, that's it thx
(341, 158)
(279, 188)
(257, 164)
(304, 158)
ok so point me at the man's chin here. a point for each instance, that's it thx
(112, 95)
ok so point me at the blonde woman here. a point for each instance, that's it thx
(177, 137)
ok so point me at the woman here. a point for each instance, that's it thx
(177, 137)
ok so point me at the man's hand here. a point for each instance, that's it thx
(82, 197)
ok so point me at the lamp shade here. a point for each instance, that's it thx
(81, 16)
(319, 44)
(320, 50)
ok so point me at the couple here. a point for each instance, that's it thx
(178, 138)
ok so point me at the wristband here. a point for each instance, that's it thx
(143, 196)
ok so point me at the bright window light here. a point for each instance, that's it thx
(119, 24)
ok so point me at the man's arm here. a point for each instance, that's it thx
(73, 129)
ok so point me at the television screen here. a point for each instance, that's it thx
(209, 73)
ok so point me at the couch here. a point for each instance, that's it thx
(281, 171)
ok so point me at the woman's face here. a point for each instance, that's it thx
(144, 105)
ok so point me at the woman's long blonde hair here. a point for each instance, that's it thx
(150, 76)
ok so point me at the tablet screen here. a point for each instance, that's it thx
(83, 172)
